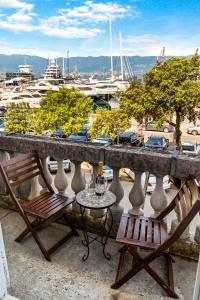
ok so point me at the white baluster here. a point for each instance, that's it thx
(77, 184)
(197, 234)
(117, 189)
(34, 188)
(158, 198)
(136, 196)
(60, 180)
(47, 175)
(3, 156)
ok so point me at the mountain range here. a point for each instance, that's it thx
(90, 64)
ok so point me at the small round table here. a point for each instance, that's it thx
(87, 199)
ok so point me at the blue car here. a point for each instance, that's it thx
(81, 136)
(59, 133)
(157, 142)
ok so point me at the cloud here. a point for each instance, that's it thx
(71, 32)
(16, 4)
(98, 12)
(20, 17)
(78, 22)
(149, 44)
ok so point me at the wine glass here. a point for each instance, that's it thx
(106, 184)
(88, 178)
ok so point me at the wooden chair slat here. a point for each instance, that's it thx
(123, 226)
(182, 204)
(163, 232)
(39, 199)
(188, 197)
(149, 232)
(136, 229)
(39, 205)
(156, 230)
(178, 209)
(25, 171)
(130, 228)
(18, 160)
(50, 205)
(193, 189)
(143, 230)
(17, 182)
(16, 167)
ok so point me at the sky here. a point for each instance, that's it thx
(50, 28)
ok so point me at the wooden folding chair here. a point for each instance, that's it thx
(44, 209)
(137, 232)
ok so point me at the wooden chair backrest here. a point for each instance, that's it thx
(185, 199)
(187, 205)
(19, 169)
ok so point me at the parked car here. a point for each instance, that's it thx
(189, 147)
(2, 111)
(132, 138)
(165, 127)
(81, 136)
(157, 142)
(58, 133)
(194, 130)
(102, 139)
(2, 125)
(53, 165)
(107, 172)
(151, 180)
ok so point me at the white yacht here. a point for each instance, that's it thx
(53, 70)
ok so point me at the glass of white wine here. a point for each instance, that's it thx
(88, 176)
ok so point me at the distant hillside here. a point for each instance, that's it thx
(139, 64)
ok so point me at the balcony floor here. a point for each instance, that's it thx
(68, 278)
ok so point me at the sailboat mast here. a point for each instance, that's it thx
(63, 67)
(121, 56)
(111, 50)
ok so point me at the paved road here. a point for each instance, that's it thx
(185, 136)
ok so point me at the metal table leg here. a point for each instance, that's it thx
(103, 238)
(107, 255)
(85, 242)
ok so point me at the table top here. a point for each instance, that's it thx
(88, 198)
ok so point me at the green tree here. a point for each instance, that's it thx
(18, 118)
(108, 122)
(172, 89)
(66, 108)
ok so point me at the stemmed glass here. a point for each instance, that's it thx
(88, 175)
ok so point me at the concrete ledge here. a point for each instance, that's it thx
(186, 249)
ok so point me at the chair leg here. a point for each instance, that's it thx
(121, 262)
(161, 282)
(33, 224)
(40, 245)
(141, 264)
(126, 277)
(22, 235)
(73, 229)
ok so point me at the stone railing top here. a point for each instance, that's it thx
(138, 159)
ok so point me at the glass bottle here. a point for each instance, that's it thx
(100, 181)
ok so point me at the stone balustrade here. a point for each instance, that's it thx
(137, 160)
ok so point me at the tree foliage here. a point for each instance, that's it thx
(172, 89)
(66, 109)
(109, 123)
(19, 117)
